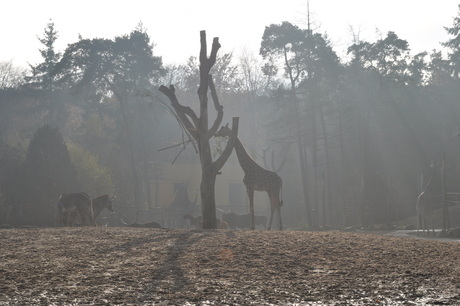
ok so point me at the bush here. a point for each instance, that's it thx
(94, 178)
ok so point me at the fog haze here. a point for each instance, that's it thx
(353, 135)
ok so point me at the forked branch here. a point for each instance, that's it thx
(219, 108)
(205, 67)
(183, 112)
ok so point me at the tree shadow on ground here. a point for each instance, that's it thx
(168, 276)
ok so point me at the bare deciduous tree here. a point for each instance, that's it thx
(198, 127)
(11, 76)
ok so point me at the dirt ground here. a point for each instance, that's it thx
(132, 266)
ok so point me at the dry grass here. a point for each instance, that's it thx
(127, 266)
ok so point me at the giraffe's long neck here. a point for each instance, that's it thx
(246, 162)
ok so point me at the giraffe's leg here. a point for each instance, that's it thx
(274, 204)
(427, 224)
(430, 222)
(419, 216)
(251, 206)
(61, 218)
(271, 218)
(418, 223)
(279, 215)
(422, 223)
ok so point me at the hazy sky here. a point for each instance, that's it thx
(174, 25)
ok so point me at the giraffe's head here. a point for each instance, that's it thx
(224, 131)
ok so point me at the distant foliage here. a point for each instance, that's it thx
(94, 178)
(10, 174)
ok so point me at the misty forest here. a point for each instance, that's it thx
(355, 140)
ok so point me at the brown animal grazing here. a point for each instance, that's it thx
(69, 205)
(80, 203)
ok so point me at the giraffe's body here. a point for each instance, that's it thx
(258, 178)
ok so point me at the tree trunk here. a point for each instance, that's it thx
(136, 185)
(146, 172)
(199, 130)
(342, 200)
(328, 186)
(303, 167)
(208, 200)
(316, 177)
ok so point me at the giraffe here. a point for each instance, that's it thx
(424, 206)
(257, 178)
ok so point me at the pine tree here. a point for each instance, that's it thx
(49, 173)
(42, 74)
(454, 45)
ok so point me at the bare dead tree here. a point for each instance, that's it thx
(198, 127)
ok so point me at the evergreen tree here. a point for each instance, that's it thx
(42, 74)
(454, 45)
(49, 173)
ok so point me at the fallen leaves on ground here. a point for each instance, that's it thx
(123, 266)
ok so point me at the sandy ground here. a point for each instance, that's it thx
(131, 266)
